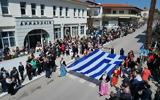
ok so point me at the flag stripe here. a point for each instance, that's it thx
(77, 65)
(84, 58)
(95, 67)
(94, 60)
(96, 63)
(101, 71)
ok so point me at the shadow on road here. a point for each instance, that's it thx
(95, 81)
(141, 38)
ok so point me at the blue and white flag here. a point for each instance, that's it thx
(96, 63)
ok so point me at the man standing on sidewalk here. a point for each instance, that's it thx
(21, 70)
(15, 75)
(3, 75)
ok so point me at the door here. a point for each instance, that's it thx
(33, 39)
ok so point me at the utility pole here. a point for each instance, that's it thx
(148, 41)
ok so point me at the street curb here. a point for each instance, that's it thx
(34, 79)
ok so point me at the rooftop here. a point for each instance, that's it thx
(125, 6)
(115, 5)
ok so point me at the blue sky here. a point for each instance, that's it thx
(138, 3)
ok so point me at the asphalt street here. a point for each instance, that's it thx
(132, 41)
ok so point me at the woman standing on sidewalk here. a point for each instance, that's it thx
(63, 70)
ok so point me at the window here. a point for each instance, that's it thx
(33, 8)
(144, 14)
(23, 8)
(82, 29)
(57, 33)
(7, 39)
(74, 31)
(66, 11)
(121, 12)
(114, 12)
(12, 41)
(54, 10)
(4, 6)
(79, 12)
(83, 12)
(74, 13)
(96, 12)
(42, 9)
(61, 9)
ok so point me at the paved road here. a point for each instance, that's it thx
(56, 88)
(130, 42)
(73, 87)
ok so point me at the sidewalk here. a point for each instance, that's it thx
(9, 64)
(15, 62)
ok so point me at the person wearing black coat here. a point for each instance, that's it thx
(3, 75)
(21, 70)
(122, 52)
(29, 70)
(14, 74)
(146, 92)
(112, 50)
(10, 83)
(157, 95)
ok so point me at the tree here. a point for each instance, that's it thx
(148, 41)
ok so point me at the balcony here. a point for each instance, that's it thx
(95, 16)
(122, 15)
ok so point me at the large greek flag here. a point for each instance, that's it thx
(96, 63)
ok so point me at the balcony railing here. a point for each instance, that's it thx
(122, 15)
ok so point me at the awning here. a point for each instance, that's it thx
(6, 30)
(125, 17)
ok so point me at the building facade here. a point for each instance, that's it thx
(95, 15)
(117, 14)
(145, 13)
(26, 22)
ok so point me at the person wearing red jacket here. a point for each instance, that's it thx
(146, 73)
(114, 80)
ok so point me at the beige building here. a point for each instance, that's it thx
(117, 14)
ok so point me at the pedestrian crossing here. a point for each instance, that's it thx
(81, 80)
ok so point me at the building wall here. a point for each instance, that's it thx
(22, 30)
(145, 13)
(12, 20)
(96, 15)
(118, 11)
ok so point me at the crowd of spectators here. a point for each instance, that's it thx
(106, 35)
(135, 78)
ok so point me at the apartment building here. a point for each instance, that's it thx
(117, 14)
(23, 23)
